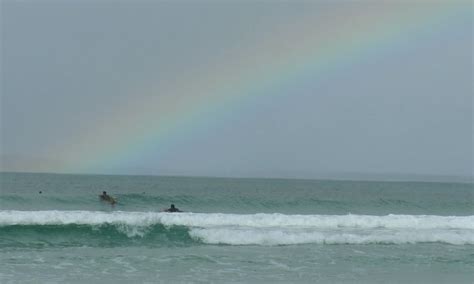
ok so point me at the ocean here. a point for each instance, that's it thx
(54, 229)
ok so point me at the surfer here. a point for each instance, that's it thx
(105, 197)
(172, 209)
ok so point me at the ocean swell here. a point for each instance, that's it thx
(158, 228)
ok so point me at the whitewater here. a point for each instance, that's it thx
(267, 229)
(54, 229)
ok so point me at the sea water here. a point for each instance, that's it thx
(233, 230)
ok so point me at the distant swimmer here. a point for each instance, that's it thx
(172, 209)
(105, 197)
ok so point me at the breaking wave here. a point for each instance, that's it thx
(157, 228)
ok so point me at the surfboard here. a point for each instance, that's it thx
(108, 199)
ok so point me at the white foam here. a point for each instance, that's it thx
(290, 237)
(55, 217)
(268, 229)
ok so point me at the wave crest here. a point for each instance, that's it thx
(55, 217)
(260, 229)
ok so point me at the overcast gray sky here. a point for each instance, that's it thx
(401, 101)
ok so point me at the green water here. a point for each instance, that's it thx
(233, 230)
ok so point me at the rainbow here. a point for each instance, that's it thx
(315, 44)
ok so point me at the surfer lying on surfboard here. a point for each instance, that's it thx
(105, 197)
(172, 209)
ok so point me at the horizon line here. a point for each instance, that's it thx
(342, 176)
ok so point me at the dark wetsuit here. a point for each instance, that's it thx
(173, 209)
